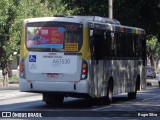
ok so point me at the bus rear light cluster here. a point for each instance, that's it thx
(84, 70)
(22, 69)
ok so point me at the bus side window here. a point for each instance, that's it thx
(144, 55)
(124, 45)
(108, 44)
(138, 46)
(118, 45)
(92, 43)
(99, 45)
(113, 45)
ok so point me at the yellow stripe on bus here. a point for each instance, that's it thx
(86, 54)
(23, 51)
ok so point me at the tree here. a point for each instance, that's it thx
(137, 13)
(153, 51)
(88, 7)
(140, 13)
(12, 13)
(7, 12)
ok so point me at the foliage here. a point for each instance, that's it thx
(140, 13)
(137, 13)
(59, 8)
(153, 50)
(88, 7)
(14, 78)
(12, 13)
(153, 45)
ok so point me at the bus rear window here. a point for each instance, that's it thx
(57, 35)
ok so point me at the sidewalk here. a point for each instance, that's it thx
(13, 86)
(152, 82)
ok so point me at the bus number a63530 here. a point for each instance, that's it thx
(61, 61)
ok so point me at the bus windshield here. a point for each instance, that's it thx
(62, 36)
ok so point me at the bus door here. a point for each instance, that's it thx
(97, 67)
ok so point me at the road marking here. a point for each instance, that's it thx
(16, 107)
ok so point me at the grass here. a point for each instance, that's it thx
(13, 79)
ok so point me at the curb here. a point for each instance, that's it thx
(15, 85)
(12, 86)
(152, 82)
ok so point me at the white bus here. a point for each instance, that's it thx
(81, 56)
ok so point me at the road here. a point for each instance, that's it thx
(146, 104)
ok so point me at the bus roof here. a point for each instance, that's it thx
(109, 24)
(48, 19)
(94, 22)
(98, 19)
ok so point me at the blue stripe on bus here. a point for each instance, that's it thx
(48, 46)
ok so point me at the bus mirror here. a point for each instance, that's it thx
(91, 33)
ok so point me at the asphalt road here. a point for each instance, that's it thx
(147, 105)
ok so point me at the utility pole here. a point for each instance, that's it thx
(110, 9)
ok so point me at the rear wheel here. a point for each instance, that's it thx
(132, 95)
(51, 99)
(109, 94)
(108, 98)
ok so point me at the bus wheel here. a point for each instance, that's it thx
(58, 99)
(50, 99)
(108, 99)
(109, 94)
(133, 95)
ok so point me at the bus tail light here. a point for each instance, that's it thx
(84, 70)
(22, 69)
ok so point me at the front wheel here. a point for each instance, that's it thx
(132, 95)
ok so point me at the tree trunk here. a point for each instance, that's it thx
(152, 60)
(5, 71)
(10, 69)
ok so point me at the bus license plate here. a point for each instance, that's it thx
(52, 75)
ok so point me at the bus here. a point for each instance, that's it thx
(82, 57)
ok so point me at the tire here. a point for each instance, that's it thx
(58, 100)
(51, 99)
(132, 95)
(109, 94)
(48, 99)
(49, 102)
(108, 98)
